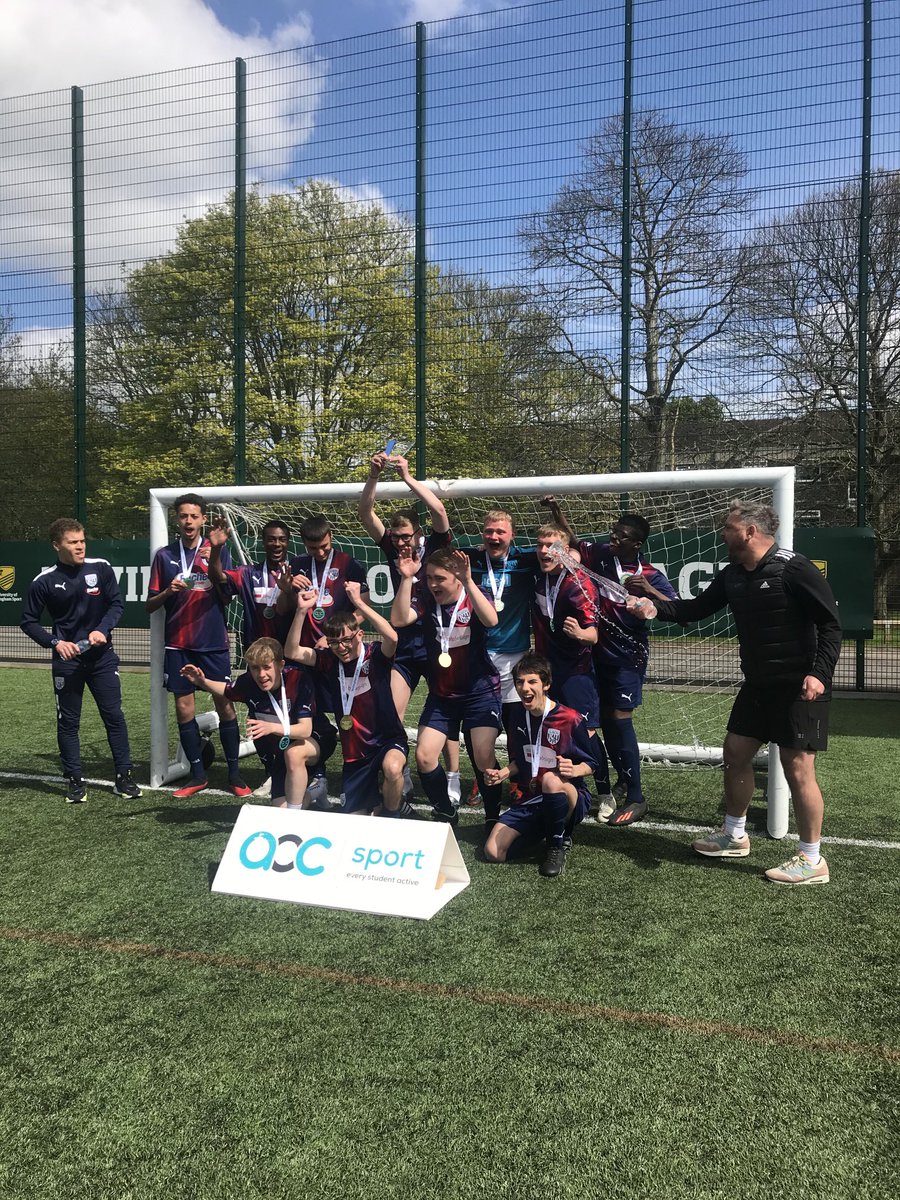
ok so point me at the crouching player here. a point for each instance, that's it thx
(551, 754)
(373, 739)
(279, 699)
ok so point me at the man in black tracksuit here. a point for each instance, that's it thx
(790, 638)
(83, 600)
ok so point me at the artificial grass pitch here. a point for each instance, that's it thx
(648, 1024)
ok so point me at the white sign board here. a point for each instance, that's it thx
(367, 864)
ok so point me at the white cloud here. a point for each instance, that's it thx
(158, 147)
(58, 43)
(443, 10)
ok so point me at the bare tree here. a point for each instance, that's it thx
(687, 201)
(800, 302)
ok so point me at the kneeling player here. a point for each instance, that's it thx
(373, 739)
(279, 698)
(550, 755)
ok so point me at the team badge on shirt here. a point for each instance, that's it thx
(553, 737)
(465, 616)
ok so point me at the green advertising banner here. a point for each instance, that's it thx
(20, 562)
(845, 556)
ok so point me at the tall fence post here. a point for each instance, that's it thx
(421, 260)
(862, 306)
(79, 308)
(239, 297)
(625, 384)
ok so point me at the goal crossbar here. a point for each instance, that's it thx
(778, 480)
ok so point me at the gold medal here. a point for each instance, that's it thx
(346, 721)
(499, 605)
(444, 659)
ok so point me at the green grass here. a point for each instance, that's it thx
(161, 1041)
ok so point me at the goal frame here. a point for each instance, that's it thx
(779, 479)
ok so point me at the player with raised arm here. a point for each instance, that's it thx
(789, 634)
(327, 570)
(255, 583)
(403, 534)
(463, 685)
(279, 698)
(551, 755)
(82, 598)
(564, 612)
(373, 739)
(195, 632)
(622, 652)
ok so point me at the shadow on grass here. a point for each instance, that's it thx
(648, 849)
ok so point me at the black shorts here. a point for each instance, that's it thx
(779, 715)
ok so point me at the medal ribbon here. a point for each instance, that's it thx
(443, 638)
(619, 572)
(497, 591)
(315, 578)
(551, 596)
(281, 710)
(268, 576)
(536, 741)
(187, 571)
(348, 694)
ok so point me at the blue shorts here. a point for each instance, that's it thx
(620, 687)
(326, 735)
(215, 664)
(359, 781)
(482, 711)
(579, 692)
(527, 819)
(411, 664)
(272, 756)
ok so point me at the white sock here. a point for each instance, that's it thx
(810, 850)
(735, 826)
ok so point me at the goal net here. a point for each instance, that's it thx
(692, 673)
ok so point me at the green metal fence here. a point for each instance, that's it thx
(552, 238)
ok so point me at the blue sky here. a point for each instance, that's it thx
(512, 98)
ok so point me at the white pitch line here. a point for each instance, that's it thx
(663, 826)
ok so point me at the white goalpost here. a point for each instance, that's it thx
(688, 668)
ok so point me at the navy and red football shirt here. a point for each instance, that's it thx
(195, 617)
(332, 588)
(298, 692)
(563, 734)
(574, 597)
(373, 712)
(471, 671)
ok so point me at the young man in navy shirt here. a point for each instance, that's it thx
(255, 583)
(551, 755)
(195, 632)
(463, 685)
(623, 651)
(373, 739)
(279, 698)
(403, 535)
(564, 619)
(83, 599)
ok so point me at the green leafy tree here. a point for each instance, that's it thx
(330, 364)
